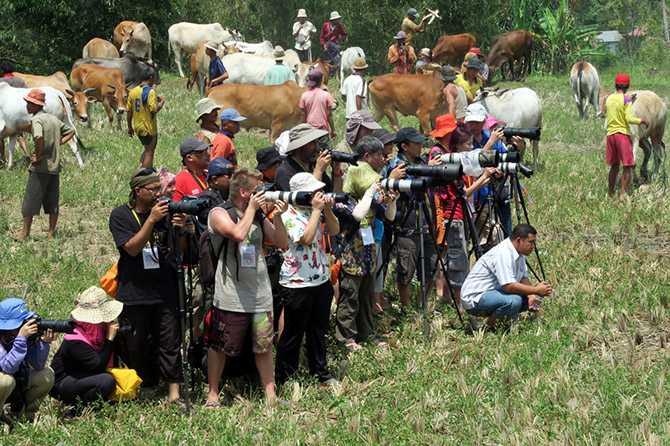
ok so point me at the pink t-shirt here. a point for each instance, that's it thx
(316, 103)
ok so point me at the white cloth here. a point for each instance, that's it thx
(304, 266)
(353, 86)
(500, 266)
(303, 40)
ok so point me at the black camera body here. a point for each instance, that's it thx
(188, 205)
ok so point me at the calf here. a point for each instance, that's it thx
(133, 69)
(510, 47)
(451, 49)
(586, 86)
(104, 85)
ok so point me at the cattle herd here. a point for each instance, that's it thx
(106, 71)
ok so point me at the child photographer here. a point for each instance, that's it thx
(24, 379)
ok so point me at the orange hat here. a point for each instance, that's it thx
(444, 125)
(622, 79)
(37, 97)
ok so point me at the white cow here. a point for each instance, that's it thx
(264, 48)
(185, 36)
(251, 69)
(137, 42)
(519, 108)
(347, 59)
(14, 116)
(586, 87)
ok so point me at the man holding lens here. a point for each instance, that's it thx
(148, 281)
(498, 285)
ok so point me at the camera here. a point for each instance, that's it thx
(127, 330)
(264, 187)
(416, 185)
(510, 157)
(473, 162)
(532, 133)
(447, 172)
(508, 167)
(188, 205)
(343, 157)
(300, 198)
(57, 325)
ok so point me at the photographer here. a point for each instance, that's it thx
(498, 285)
(24, 379)
(194, 156)
(305, 280)
(81, 361)
(242, 292)
(359, 254)
(401, 56)
(361, 123)
(147, 281)
(303, 155)
(219, 173)
(407, 248)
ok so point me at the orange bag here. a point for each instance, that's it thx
(335, 271)
(109, 281)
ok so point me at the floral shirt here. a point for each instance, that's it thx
(304, 266)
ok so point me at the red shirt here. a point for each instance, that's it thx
(186, 184)
(328, 35)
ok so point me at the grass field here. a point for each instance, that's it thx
(592, 370)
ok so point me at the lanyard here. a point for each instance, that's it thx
(195, 177)
(138, 222)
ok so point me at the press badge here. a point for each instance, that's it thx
(247, 256)
(150, 257)
(367, 236)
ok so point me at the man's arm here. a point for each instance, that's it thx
(392, 55)
(221, 223)
(135, 245)
(37, 155)
(450, 97)
(331, 124)
(524, 288)
(67, 137)
(129, 119)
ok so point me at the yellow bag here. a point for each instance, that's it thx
(109, 281)
(127, 382)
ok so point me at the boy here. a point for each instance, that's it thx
(143, 105)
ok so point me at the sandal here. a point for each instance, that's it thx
(379, 343)
(178, 402)
(353, 347)
(212, 405)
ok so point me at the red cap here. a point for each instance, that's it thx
(477, 51)
(622, 79)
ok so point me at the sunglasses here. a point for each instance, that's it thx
(153, 190)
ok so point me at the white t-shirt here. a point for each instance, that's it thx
(304, 266)
(302, 40)
(500, 266)
(353, 86)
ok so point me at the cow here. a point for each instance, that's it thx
(586, 87)
(451, 49)
(14, 116)
(347, 59)
(121, 31)
(647, 105)
(518, 108)
(185, 36)
(274, 107)
(137, 41)
(59, 81)
(264, 48)
(132, 68)
(410, 94)
(99, 48)
(510, 47)
(251, 69)
(105, 85)
(306, 67)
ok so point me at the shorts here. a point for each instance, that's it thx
(619, 149)
(229, 330)
(407, 257)
(457, 253)
(42, 190)
(148, 140)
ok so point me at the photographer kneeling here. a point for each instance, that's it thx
(81, 361)
(24, 379)
(498, 285)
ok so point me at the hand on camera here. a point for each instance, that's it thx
(543, 289)
(180, 221)
(112, 330)
(318, 201)
(158, 212)
(28, 329)
(374, 189)
(497, 135)
(518, 142)
(393, 195)
(280, 207)
(48, 336)
(323, 161)
(398, 173)
(257, 201)
(435, 161)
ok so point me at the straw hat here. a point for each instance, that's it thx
(360, 64)
(335, 15)
(302, 13)
(279, 53)
(94, 307)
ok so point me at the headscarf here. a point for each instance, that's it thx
(139, 179)
(166, 178)
(91, 334)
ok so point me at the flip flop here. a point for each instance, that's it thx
(353, 347)
(213, 405)
(179, 402)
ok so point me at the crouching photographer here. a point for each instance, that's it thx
(24, 379)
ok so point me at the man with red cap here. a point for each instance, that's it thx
(43, 185)
(619, 109)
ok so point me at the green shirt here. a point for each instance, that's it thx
(278, 74)
(51, 129)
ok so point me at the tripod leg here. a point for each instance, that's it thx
(182, 315)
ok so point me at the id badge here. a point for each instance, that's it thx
(247, 256)
(150, 257)
(367, 235)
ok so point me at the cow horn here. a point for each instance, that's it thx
(89, 90)
(70, 92)
(633, 97)
(111, 86)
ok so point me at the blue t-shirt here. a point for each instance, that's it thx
(216, 69)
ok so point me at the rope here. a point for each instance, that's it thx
(658, 154)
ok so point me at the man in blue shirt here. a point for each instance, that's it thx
(279, 73)
(217, 72)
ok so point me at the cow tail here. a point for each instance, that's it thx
(367, 98)
(580, 70)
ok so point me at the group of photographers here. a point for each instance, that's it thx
(330, 234)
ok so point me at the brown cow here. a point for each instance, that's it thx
(99, 48)
(305, 67)
(58, 80)
(122, 31)
(104, 85)
(451, 49)
(274, 107)
(410, 94)
(510, 47)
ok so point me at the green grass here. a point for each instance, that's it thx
(592, 370)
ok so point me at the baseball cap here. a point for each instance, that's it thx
(409, 134)
(475, 112)
(267, 157)
(305, 182)
(219, 166)
(230, 114)
(412, 11)
(192, 145)
(315, 77)
(622, 79)
(384, 136)
(13, 312)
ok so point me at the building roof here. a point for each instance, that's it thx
(609, 36)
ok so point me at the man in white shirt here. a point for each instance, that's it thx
(303, 31)
(498, 285)
(354, 89)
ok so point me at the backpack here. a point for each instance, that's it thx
(210, 250)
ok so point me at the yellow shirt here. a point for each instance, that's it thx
(619, 109)
(144, 121)
(408, 27)
(470, 90)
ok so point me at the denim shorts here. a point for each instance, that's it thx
(499, 304)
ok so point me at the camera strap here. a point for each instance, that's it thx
(198, 181)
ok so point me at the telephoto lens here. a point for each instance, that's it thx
(510, 157)
(344, 157)
(532, 133)
(188, 205)
(294, 198)
(416, 185)
(447, 172)
(57, 325)
(339, 198)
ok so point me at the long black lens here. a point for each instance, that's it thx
(531, 133)
(448, 172)
(344, 157)
(58, 325)
(339, 198)
(127, 330)
(188, 205)
(525, 170)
